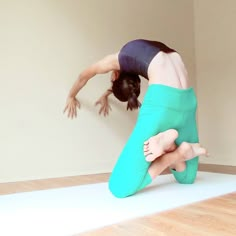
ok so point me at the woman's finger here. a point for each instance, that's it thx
(68, 114)
(104, 111)
(78, 104)
(71, 112)
(101, 110)
(75, 112)
(65, 109)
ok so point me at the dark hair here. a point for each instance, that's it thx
(127, 88)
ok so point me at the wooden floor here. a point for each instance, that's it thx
(216, 217)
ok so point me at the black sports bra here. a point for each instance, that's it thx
(136, 55)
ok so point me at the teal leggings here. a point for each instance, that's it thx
(163, 108)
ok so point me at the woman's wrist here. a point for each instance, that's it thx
(70, 97)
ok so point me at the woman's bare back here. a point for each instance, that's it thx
(168, 69)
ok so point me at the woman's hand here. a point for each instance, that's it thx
(71, 107)
(105, 107)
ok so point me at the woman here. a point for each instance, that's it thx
(167, 114)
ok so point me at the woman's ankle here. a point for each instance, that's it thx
(179, 167)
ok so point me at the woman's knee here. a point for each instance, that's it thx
(120, 190)
(188, 180)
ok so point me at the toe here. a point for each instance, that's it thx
(150, 157)
(146, 142)
(146, 152)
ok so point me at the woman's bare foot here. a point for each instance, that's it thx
(190, 150)
(160, 144)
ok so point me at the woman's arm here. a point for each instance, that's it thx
(107, 64)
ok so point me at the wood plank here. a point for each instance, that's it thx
(199, 219)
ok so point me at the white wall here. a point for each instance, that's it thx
(44, 45)
(215, 37)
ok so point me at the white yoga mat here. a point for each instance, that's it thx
(72, 210)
